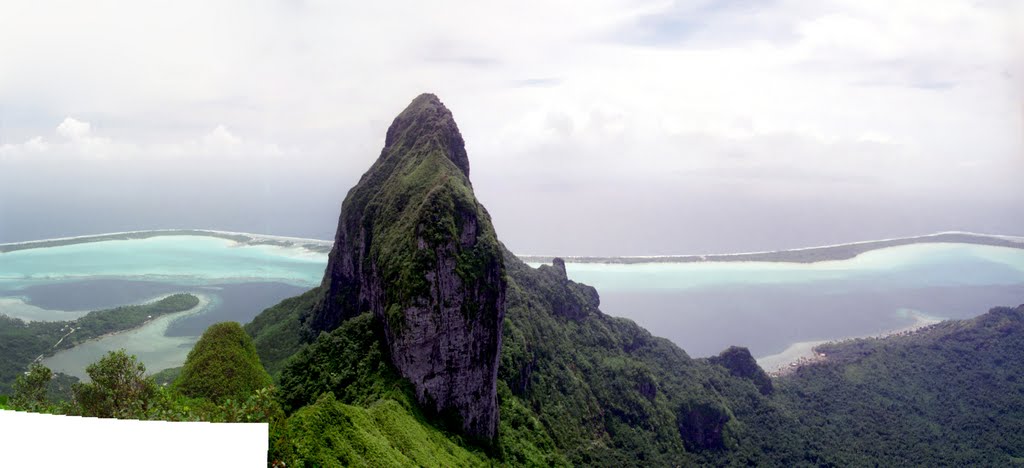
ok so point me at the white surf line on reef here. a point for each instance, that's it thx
(1007, 237)
(805, 352)
(255, 236)
(856, 243)
(171, 232)
(270, 237)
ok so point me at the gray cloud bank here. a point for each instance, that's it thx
(615, 128)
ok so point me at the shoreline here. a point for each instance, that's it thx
(94, 345)
(204, 301)
(805, 353)
(242, 238)
(16, 302)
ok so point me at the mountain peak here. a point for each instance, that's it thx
(416, 249)
(427, 125)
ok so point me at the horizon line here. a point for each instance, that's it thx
(1009, 237)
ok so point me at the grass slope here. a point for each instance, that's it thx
(348, 407)
(329, 433)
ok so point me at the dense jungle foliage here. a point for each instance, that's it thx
(579, 387)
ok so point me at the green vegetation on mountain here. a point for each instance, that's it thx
(277, 332)
(223, 364)
(384, 433)
(417, 250)
(410, 197)
(952, 395)
(577, 387)
(21, 343)
(118, 388)
(602, 391)
(30, 389)
(167, 376)
(605, 391)
(348, 362)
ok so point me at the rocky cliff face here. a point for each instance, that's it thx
(568, 298)
(416, 248)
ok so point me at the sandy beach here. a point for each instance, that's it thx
(805, 352)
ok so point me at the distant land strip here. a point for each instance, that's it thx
(314, 245)
(802, 255)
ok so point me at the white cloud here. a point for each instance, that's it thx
(73, 129)
(77, 142)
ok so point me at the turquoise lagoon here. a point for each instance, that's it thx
(235, 280)
(703, 307)
(771, 306)
(178, 259)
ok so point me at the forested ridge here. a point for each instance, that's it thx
(950, 395)
(578, 387)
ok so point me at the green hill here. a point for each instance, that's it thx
(223, 364)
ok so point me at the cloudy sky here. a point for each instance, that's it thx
(599, 127)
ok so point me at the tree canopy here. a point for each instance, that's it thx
(222, 365)
(119, 388)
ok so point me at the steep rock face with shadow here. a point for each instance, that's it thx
(415, 248)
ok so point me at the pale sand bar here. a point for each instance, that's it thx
(147, 342)
(804, 352)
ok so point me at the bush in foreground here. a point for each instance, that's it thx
(119, 388)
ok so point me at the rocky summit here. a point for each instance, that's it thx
(415, 248)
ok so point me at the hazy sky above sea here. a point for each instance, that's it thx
(593, 128)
